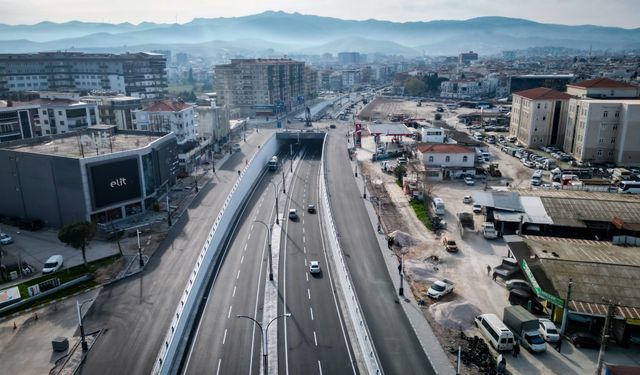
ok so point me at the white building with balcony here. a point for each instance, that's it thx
(444, 161)
(173, 116)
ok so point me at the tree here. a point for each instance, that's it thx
(399, 172)
(438, 116)
(78, 235)
(414, 86)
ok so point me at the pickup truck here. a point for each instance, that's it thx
(489, 231)
(508, 267)
(440, 289)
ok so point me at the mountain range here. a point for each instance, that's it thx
(293, 33)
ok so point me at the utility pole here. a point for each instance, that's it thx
(565, 310)
(364, 187)
(401, 289)
(611, 308)
(283, 188)
(356, 169)
(139, 249)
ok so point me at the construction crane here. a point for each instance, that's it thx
(307, 116)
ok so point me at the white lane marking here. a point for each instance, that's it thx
(309, 293)
(303, 224)
(315, 338)
(245, 246)
(238, 276)
(304, 240)
(219, 363)
(307, 275)
(229, 313)
(304, 249)
(250, 230)
(303, 228)
(311, 309)
(224, 338)
(249, 236)
(234, 292)
(320, 367)
(305, 262)
(242, 259)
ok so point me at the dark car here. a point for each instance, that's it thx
(332, 126)
(584, 340)
(524, 298)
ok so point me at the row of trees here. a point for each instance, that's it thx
(425, 85)
(78, 235)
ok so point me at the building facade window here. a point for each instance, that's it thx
(447, 159)
(605, 114)
(430, 159)
(464, 159)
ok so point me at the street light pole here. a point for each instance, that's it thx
(364, 187)
(283, 184)
(139, 249)
(356, 169)
(79, 305)
(401, 289)
(269, 244)
(263, 332)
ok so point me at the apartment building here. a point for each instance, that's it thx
(17, 120)
(250, 86)
(350, 58)
(310, 83)
(168, 116)
(116, 109)
(466, 58)
(538, 117)
(213, 122)
(444, 161)
(465, 88)
(141, 74)
(603, 122)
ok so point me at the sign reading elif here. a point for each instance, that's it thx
(115, 182)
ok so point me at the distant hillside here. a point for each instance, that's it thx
(295, 33)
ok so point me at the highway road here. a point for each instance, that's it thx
(315, 339)
(135, 313)
(398, 347)
(224, 344)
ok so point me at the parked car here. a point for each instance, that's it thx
(477, 208)
(440, 289)
(53, 264)
(5, 239)
(449, 245)
(293, 214)
(332, 126)
(469, 181)
(467, 199)
(517, 284)
(548, 330)
(525, 298)
(314, 266)
(584, 340)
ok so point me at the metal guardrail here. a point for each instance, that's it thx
(353, 305)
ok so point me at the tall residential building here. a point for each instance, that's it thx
(310, 83)
(168, 116)
(260, 86)
(466, 58)
(136, 74)
(116, 109)
(538, 117)
(603, 122)
(350, 58)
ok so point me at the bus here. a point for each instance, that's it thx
(438, 206)
(629, 187)
(273, 163)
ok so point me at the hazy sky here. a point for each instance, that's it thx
(620, 13)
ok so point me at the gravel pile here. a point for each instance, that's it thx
(456, 314)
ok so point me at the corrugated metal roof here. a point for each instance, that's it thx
(535, 210)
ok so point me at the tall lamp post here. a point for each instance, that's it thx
(269, 243)
(283, 184)
(79, 305)
(276, 188)
(263, 332)
(139, 249)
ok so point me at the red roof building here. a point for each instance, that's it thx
(543, 93)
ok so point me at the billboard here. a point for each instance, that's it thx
(115, 182)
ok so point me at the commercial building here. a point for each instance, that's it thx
(173, 116)
(603, 122)
(446, 161)
(350, 58)
(116, 109)
(260, 86)
(538, 117)
(101, 174)
(136, 74)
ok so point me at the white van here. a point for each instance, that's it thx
(495, 331)
(438, 206)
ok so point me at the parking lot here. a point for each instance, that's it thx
(475, 291)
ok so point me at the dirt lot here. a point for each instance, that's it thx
(425, 259)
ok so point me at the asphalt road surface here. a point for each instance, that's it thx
(135, 313)
(315, 341)
(398, 347)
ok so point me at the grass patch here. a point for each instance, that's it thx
(66, 275)
(422, 212)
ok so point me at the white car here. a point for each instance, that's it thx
(5, 239)
(314, 266)
(477, 208)
(53, 264)
(467, 199)
(548, 330)
(469, 181)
